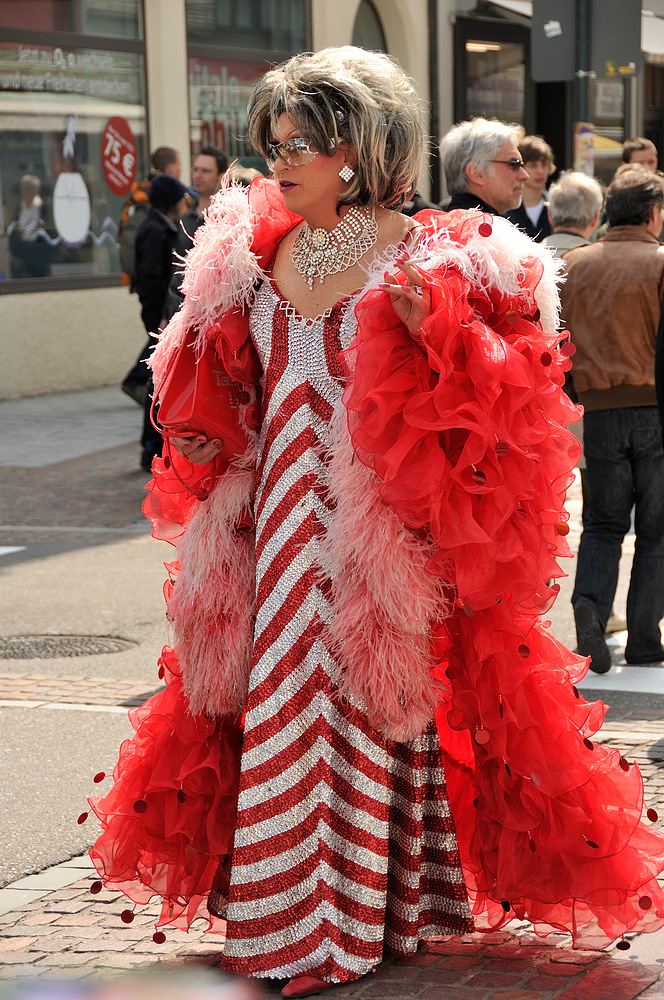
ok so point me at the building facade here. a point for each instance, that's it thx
(89, 87)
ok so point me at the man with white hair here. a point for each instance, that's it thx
(483, 166)
(575, 203)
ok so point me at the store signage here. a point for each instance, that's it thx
(218, 95)
(118, 155)
(50, 69)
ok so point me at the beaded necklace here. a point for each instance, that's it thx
(317, 253)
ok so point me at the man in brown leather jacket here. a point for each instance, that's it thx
(611, 302)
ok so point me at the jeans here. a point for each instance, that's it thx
(625, 469)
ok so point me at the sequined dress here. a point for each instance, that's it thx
(344, 845)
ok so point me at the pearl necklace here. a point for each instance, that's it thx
(317, 253)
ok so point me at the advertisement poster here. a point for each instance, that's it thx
(584, 148)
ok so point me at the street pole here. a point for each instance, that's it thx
(583, 13)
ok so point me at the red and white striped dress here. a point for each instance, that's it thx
(345, 848)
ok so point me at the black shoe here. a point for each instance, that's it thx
(590, 636)
(137, 390)
(655, 657)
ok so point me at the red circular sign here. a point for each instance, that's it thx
(118, 155)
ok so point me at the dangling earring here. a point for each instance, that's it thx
(346, 173)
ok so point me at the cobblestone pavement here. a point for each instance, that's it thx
(57, 935)
(52, 928)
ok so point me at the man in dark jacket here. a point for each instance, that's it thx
(483, 166)
(612, 302)
(207, 171)
(155, 241)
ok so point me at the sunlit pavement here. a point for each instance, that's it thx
(71, 482)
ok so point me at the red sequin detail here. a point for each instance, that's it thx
(158, 937)
(652, 815)
(546, 359)
(484, 229)
(645, 902)
(140, 806)
(623, 946)
(127, 916)
(96, 887)
(588, 744)
(82, 818)
(99, 777)
(562, 527)
(568, 349)
(524, 650)
(624, 764)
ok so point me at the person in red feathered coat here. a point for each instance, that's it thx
(368, 736)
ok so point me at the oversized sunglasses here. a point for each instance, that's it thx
(514, 165)
(294, 152)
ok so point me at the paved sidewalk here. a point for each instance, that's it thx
(55, 932)
(69, 934)
(53, 928)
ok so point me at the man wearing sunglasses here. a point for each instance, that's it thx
(483, 167)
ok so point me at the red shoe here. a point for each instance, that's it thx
(304, 986)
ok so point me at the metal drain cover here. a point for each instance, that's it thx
(47, 647)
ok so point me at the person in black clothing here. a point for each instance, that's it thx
(208, 170)
(155, 241)
(418, 204)
(483, 167)
(532, 214)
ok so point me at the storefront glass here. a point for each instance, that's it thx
(231, 43)
(496, 80)
(106, 18)
(74, 139)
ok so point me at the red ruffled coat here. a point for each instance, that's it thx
(449, 470)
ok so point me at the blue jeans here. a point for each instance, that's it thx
(625, 469)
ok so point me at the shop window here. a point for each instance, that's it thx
(74, 139)
(496, 83)
(280, 27)
(231, 43)
(368, 31)
(490, 78)
(106, 18)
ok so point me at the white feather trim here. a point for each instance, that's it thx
(496, 261)
(220, 273)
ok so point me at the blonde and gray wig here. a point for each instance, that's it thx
(348, 95)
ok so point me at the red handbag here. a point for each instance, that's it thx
(199, 397)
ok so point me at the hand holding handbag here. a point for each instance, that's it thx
(199, 397)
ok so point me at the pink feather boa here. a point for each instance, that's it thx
(385, 597)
